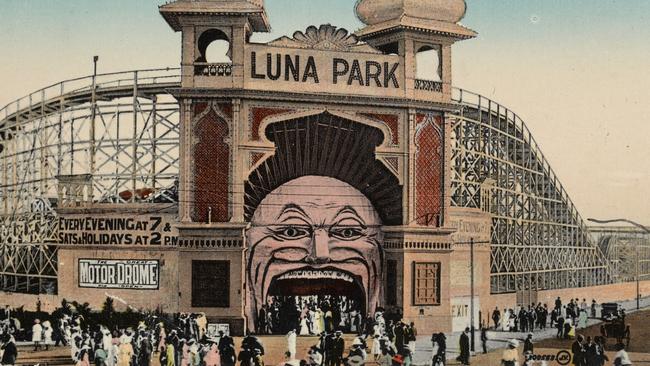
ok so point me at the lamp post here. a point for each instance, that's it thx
(647, 231)
(471, 298)
(471, 243)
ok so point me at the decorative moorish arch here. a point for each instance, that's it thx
(211, 167)
(327, 143)
(429, 165)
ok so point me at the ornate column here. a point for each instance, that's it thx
(185, 181)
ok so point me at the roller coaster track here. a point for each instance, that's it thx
(69, 93)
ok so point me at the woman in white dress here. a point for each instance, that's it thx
(317, 323)
(37, 334)
(505, 318)
(582, 319)
(291, 344)
(511, 321)
(304, 328)
(47, 334)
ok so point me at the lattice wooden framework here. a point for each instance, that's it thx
(120, 129)
(539, 241)
(627, 249)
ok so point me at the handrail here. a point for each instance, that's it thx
(57, 90)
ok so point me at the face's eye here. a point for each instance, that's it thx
(347, 233)
(291, 232)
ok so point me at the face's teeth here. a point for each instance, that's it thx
(310, 273)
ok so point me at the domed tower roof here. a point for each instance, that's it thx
(437, 16)
(253, 9)
(377, 11)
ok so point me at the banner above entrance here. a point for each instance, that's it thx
(319, 71)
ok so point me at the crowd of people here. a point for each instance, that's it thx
(310, 315)
(566, 318)
(184, 340)
(384, 342)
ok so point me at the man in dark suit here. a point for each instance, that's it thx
(399, 336)
(338, 346)
(464, 348)
(226, 347)
(261, 320)
(578, 350)
(496, 316)
(9, 350)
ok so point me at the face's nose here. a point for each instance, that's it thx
(320, 251)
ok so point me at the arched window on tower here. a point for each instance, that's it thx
(428, 68)
(215, 52)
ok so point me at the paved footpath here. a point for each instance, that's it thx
(499, 339)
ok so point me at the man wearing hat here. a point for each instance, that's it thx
(528, 344)
(224, 341)
(314, 356)
(253, 343)
(338, 346)
(357, 355)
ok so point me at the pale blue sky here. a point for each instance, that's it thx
(575, 70)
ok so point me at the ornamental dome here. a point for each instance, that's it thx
(377, 11)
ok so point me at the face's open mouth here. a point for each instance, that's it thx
(318, 282)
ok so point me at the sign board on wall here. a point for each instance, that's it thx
(281, 68)
(119, 274)
(214, 328)
(460, 313)
(113, 230)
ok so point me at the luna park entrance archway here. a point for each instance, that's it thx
(316, 210)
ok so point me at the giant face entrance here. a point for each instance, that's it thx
(316, 208)
(314, 244)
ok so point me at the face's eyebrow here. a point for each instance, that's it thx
(350, 210)
(292, 208)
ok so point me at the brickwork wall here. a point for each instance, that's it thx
(428, 180)
(211, 169)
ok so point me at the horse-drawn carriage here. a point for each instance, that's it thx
(614, 323)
